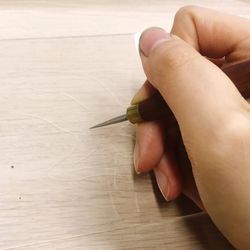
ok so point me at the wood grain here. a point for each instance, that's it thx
(65, 66)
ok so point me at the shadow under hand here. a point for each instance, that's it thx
(194, 218)
(183, 204)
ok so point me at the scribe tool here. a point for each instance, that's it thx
(155, 108)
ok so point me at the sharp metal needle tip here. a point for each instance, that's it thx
(117, 119)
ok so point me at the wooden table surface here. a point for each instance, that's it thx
(67, 65)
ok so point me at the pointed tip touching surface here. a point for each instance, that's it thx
(117, 119)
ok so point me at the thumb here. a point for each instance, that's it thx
(200, 95)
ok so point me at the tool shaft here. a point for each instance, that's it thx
(117, 119)
(155, 107)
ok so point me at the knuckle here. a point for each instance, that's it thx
(238, 123)
(172, 56)
(234, 135)
(186, 23)
(187, 11)
(238, 128)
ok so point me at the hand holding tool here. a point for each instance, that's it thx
(155, 107)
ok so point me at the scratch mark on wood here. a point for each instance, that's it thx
(114, 178)
(50, 122)
(83, 235)
(51, 168)
(128, 136)
(136, 203)
(108, 91)
(114, 175)
(113, 204)
(76, 101)
(94, 176)
(65, 36)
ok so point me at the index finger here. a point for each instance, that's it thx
(212, 33)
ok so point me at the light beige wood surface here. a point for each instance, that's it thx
(67, 65)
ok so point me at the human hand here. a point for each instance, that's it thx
(213, 118)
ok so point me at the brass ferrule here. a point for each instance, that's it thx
(133, 114)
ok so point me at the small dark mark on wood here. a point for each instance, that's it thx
(20, 198)
(12, 166)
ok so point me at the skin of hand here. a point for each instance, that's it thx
(207, 156)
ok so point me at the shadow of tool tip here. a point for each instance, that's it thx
(182, 203)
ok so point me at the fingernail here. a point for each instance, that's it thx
(162, 182)
(136, 158)
(150, 38)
